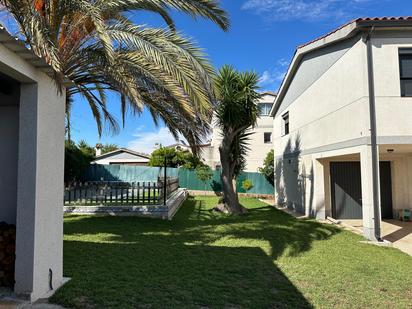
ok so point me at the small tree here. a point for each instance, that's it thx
(204, 174)
(157, 158)
(86, 148)
(236, 112)
(76, 161)
(268, 169)
(175, 158)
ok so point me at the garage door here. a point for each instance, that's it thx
(346, 190)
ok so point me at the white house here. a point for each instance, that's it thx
(122, 156)
(31, 167)
(343, 124)
(260, 141)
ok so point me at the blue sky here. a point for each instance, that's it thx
(263, 38)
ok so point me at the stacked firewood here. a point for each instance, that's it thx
(7, 253)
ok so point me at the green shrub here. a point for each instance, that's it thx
(268, 169)
(247, 184)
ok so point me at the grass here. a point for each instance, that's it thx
(266, 259)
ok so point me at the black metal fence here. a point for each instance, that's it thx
(94, 193)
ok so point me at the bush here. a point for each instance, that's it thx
(175, 158)
(204, 174)
(76, 160)
(268, 169)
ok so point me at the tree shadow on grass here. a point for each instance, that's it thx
(200, 259)
(134, 275)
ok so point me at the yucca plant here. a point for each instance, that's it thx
(236, 114)
(96, 45)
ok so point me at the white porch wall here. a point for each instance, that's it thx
(39, 238)
(401, 182)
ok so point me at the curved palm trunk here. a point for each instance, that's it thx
(227, 176)
(68, 116)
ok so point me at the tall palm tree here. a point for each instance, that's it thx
(96, 45)
(236, 114)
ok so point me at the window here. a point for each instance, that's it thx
(405, 63)
(267, 137)
(285, 118)
(264, 108)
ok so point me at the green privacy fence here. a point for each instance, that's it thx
(187, 178)
(125, 173)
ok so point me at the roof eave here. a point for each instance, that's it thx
(344, 33)
(19, 47)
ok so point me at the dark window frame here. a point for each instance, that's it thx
(265, 134)
(285, 123)
(403, 53)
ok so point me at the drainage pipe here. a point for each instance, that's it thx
(374, 145)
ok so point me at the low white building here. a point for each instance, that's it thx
(260, 143)
(31, 167)
(122, 156)
(342, 124)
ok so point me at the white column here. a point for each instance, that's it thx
(367, 193)
(39, 236)
(26, 191)
(318, 183)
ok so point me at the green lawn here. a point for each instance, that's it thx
(266, 259)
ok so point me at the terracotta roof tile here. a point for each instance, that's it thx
(361, 19)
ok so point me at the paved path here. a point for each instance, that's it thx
(13, 304)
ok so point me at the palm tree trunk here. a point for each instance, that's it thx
(68, 116)
(230, 196)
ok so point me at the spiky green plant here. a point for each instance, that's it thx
(236, 113)
(96, 45)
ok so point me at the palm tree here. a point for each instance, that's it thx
(94, 44)
(236, 114)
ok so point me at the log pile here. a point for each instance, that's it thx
(7, 254)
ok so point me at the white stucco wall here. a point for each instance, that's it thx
(332, 109)
(329, 120)
(39, 215)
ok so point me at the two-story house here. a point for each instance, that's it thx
(343, 124)
(260, 142)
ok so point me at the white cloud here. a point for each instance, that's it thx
(273, 77)
(309, 10)
(146, 141)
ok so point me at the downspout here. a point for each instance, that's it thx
(374, 145)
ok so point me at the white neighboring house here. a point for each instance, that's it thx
(260, 141)
(122, 156)
(342, 124)
(31, 167)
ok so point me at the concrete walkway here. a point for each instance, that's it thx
(399, 233)
(17, 304)
(8, 301)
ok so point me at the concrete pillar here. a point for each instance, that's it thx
(39, 219)
(26, 191)
(318, 187)
(367, 193)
